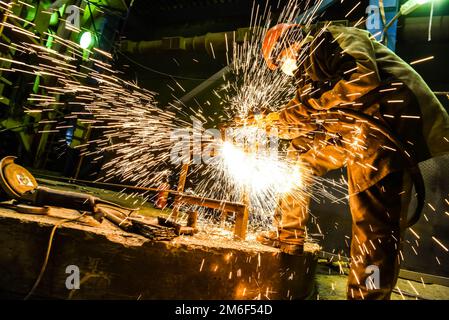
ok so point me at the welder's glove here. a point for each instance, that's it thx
(295, 120)
(272, 117)
(303, 143)
(290, 127)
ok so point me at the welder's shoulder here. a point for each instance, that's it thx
(348, 31)
(349, 35)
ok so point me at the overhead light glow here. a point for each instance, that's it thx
(411, 5)
(86, 40)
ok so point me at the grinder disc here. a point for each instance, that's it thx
(15, 180)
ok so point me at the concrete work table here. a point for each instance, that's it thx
(114, 264)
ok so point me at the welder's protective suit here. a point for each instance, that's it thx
(343, 67)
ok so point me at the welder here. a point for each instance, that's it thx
(338, 66)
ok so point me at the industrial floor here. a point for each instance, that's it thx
(332, 286)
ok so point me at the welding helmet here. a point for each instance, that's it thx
(281, 45)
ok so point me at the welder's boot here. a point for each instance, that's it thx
(278, 240)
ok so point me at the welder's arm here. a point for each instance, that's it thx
(294, 120)
(350, 58)
(324, 159)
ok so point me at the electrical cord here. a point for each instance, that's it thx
(382, 12)
(47, 255)
(384, 38)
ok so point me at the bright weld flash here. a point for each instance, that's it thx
(260, 173)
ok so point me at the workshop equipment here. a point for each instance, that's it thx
(192, 219)
(179, 229)
(19, 185)
(162, 195)
(225, 207)
(240, 209)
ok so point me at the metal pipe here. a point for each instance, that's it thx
(414, 30)
(209, 43)
(240, 209)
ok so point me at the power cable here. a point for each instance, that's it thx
(47, 255)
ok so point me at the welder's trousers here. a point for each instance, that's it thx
(379, 216)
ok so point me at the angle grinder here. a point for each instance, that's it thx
(19, 185)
